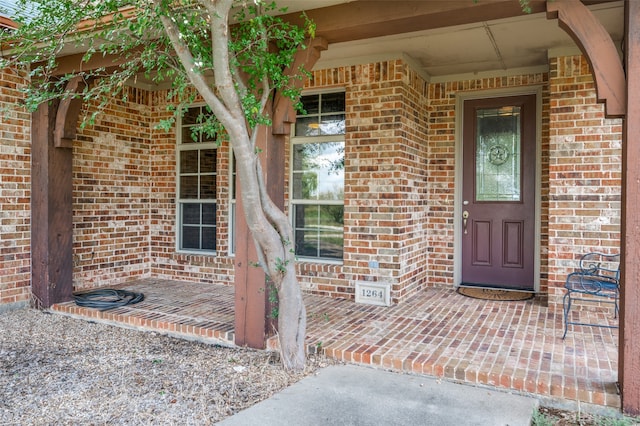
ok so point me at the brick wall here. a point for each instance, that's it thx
(165, 262)
(124, 200)
(584, 171)
(399, 181)
(15, 192)
(111, 194)
(385, 147)
(399, 184)
(411, 177)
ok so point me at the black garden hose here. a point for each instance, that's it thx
(107, 298)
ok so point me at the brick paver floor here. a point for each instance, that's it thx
(511, 345)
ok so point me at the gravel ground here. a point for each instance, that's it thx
(64, 371)
(547, 416)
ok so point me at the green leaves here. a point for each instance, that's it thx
(262, 47)
(525, 5)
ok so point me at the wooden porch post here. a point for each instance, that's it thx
(51, 212)
(629, 342)
(53, 129)
(622, 99)
(253, 322)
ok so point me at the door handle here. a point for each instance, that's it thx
(465, 216)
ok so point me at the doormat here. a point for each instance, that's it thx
(494, 294)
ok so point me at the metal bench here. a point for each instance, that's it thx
(598, 281)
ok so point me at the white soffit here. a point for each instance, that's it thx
(514, 43)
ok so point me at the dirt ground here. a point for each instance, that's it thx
(56, 370)
(554, 417)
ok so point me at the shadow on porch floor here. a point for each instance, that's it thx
(509, 345)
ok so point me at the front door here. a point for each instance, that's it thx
(498, 207)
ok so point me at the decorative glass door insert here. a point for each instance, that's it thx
(498, 154)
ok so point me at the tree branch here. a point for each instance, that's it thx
(224, 82)
(274, 214)
(195, 76)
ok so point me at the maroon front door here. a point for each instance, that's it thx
(498, 208)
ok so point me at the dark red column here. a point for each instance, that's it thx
(629, 347)
(253, 320)
(51, 212)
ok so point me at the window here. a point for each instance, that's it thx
(317, 193)
(197, 173)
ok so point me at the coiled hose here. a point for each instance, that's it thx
(104, 299)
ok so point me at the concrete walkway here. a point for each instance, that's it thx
(354, 395)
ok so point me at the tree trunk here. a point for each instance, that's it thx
(275, 246)
(269, 226)
(292, 322)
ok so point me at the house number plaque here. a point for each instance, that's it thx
(373, 293)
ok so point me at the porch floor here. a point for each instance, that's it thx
(510, 345)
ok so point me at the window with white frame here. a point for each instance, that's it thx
(196, 192)
(317, 177)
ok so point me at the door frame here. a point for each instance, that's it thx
(461, 97)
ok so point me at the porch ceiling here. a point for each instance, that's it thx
(422, 32)
(497, 45)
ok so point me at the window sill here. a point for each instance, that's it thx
(197, 253)
(314, 260)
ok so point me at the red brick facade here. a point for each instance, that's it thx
(400, 168)
(385, 180)
(585, 170)
(111, 197)
(165, 261)
(15, 192)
